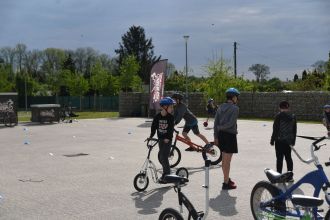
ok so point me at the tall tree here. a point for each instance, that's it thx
(260, 71)
(8, 55)
(295, 78)
(134, 42)
(128, 73)
(98, 79)
(21, 55)
(304, 75)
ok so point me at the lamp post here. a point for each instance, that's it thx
(186, 37)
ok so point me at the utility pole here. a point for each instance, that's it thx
(186, 37)
(235, 64)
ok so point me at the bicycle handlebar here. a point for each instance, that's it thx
(313, 146)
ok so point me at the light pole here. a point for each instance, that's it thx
(186, 37)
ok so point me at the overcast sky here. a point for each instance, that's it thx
(287, 35)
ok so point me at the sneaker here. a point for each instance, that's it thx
(290, 180)
(230, 182)
(228, 186)
(190, 149)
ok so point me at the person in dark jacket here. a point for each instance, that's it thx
(326, 118)
(225, 134)
(284, 135)
(163, 123)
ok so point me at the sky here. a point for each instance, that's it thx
(286, 35)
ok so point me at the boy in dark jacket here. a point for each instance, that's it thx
(163, 123)
(284, 135)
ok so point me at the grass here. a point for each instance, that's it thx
(25, 116)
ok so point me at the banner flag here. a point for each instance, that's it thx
(157, 80)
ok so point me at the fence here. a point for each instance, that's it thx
(102, 103)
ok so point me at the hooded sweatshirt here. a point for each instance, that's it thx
(226, 119)
(284, 128)
(182, 111)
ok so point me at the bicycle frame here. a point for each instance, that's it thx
(183, 140)
(149, 165)
(316, 178)
(183, 200)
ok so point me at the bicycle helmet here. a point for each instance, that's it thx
(177, 96)
(166, 101)
(231, 92)
(326, 106)
(210, 100)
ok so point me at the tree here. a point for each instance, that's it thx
(221, 78)
(134, 42)
(295, 78)
(320, 66)
(98, 79)
(304, 75)
(78, 86)
(128, 73)
(5, 84)
(8, 55)
(21, 53)
(260, 71)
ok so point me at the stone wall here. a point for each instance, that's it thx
(306, 105)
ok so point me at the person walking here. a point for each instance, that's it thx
(225, 134)
(284, 134)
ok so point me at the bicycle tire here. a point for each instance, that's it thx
(215, 156)
(182, 172)
(170, 214)
(10, 120)
(174, 157)
(256, 198)
(145, 183)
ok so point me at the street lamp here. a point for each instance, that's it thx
(186, 37)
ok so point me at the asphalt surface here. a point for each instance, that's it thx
(38, 182)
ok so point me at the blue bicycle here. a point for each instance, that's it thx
(270, 202)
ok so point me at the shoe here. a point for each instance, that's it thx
(290, 180)
(230, 182)
(190, 149)
(228, 186)
(161, 181)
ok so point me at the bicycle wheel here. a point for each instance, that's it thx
(264, 191)
(170, 214)
(175, 156)
(214, 154)
(327, 216)
(183, 172)
(10, 120)
(141, 182)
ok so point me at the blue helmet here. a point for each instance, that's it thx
(326, 106)
(166, 101)
(232, 92)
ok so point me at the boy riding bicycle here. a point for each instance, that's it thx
(163, 122)
(182, 111)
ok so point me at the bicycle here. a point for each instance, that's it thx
(8, 115)
(175, 155)
(273, 204)
(172, 214)
(141, 180)
(66, 114)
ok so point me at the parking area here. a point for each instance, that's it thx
(85, 170)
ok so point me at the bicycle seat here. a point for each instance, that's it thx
(175, 179)
(306, 201)
(275, 177)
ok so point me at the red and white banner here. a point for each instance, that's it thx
(157, 79)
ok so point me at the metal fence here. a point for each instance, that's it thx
(102, 103)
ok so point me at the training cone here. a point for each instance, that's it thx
(205, 124)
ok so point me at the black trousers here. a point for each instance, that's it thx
(283, 150)
(164, 152)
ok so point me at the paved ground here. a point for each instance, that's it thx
(38, 182)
